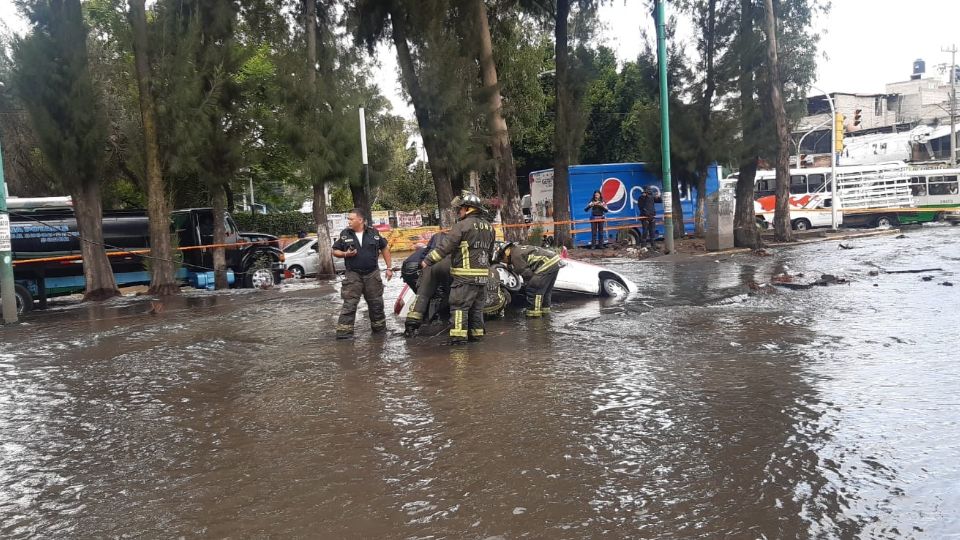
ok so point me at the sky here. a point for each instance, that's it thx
(864, 43)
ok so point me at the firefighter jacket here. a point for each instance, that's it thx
(470, 246)
(530, 260)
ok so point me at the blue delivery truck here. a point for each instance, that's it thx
(621, 185)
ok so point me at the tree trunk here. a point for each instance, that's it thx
(781, 217)
(219, 238)
(679, 230)
(162, 267)
(325, 269)
(97, 273)
(360, 200)
(231, 208)
(700, 213)
(499, 134)
(745, 232)
(561, 137)
(438, 166)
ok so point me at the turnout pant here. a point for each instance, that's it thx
(431, 278)
(539, 291)
(596, 232)
(370, 287)
(467, 300)
(648, 230)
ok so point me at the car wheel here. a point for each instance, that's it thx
(613, 288)
(24, 299)
(259, 275)
(801, 224)
(629, 236)
(296, 271)
(885, 222)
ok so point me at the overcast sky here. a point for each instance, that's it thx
(868, 43)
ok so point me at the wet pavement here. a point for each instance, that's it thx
(694, 409)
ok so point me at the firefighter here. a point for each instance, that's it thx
(360, 247)
(470, 246)
(432, 279)
(539, 268)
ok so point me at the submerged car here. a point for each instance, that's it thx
(575, 277)
(302, 259)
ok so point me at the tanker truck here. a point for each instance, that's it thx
(47, 262)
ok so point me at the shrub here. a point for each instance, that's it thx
(278, 224)
(535, 237)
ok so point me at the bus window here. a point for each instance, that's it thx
(940, 185)
(798, 184)
(765, 186)
(918, 186)
(815, 182)
(951, 182)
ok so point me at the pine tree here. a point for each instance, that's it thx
(53, 79)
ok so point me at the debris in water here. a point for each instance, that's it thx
(874, 273)
(947, 284)
(927, 278)
(899, 236)
(918, 271)
(843, 246)
(156, 308)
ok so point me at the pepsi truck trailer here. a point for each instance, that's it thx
(621, 185)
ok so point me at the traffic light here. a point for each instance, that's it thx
(838, 130)
(856, 117)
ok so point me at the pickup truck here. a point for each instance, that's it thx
(47, 263)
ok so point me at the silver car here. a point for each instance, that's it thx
(303, 260)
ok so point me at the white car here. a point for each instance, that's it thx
(302, 259)
(574, 277)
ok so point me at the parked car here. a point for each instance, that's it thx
(302, 259)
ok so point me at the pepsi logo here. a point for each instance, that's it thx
(614, 194)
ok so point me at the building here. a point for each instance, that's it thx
(910, 122)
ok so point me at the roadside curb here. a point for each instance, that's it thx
(817, 240)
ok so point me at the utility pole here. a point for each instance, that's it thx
(366, 166)
(953, 103)
(8, 294)
(665, 127)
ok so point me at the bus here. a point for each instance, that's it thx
(935, 190)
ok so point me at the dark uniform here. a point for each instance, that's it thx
(539, 268)
(432, 278)
(362, 279)
(648, 214)
(470, 246)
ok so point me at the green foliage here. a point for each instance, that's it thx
(52, 79)
(278, 224)
(412, 189)
(535, 236)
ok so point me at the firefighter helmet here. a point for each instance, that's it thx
(470, 200)
(500, 256)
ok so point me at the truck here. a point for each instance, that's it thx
(47, 261)
(621, 185)
(868, 195)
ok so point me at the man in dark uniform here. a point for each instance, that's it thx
(360, 247)
(470, 246)
(539, 268)
(648, 215)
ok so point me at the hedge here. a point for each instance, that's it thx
(278, 224)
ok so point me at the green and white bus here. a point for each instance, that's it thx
(936, 193)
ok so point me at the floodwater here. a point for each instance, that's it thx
(692, 410)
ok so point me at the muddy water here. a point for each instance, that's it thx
(692, 410)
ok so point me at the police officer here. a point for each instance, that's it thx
(648, 214)
(539, 268)
(360, 246)
(470, 246)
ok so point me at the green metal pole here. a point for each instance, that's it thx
(7, 293)
(665, 128)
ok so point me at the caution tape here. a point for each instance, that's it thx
(128, 252)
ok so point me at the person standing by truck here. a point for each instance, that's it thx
(360, 247)
(597, 209)
(648, 216)
(470, 246)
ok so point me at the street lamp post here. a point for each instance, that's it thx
(8, 293)
(804, 136)
(665, 128)
(833, 161)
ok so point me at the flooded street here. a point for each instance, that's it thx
(691, 410)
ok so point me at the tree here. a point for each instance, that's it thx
(506, 171)
(53, 80)
(781, 219)
(162, 267)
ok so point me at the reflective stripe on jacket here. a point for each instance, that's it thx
(470, 246)
(529, 260)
